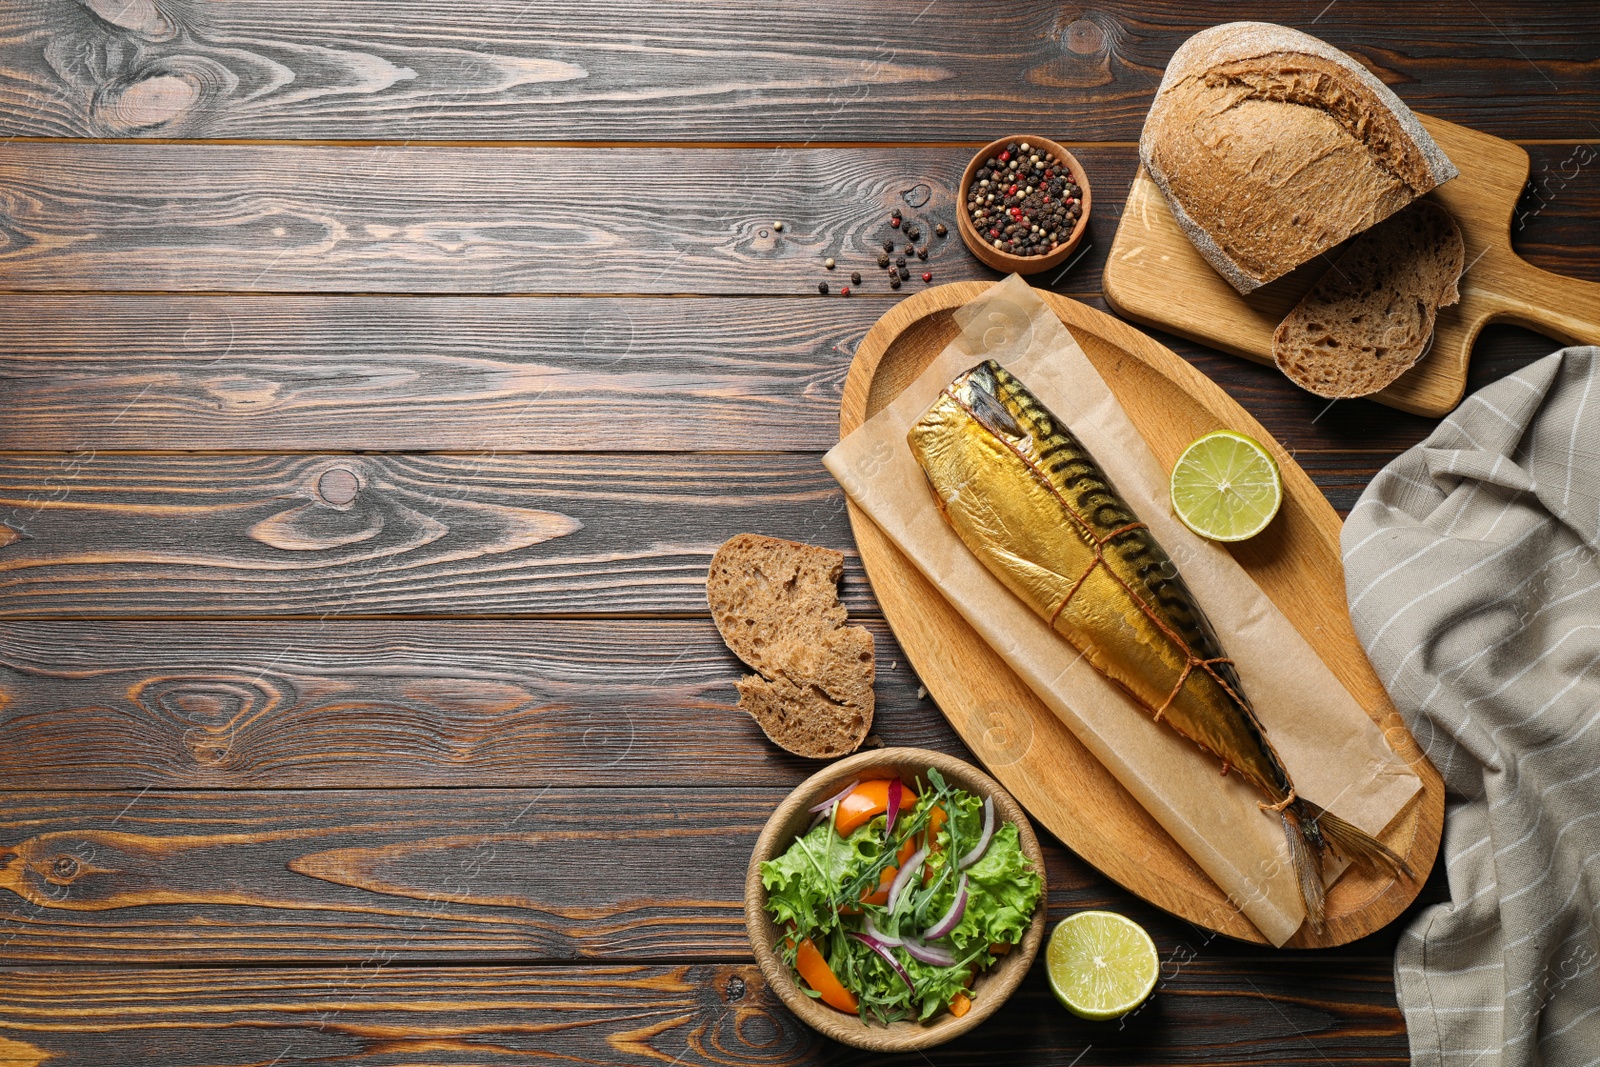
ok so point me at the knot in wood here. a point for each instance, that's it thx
(338, 486)
(64, 867)
(1085, 37)
(735, 989)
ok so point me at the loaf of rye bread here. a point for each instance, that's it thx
(776, 604)
(1272, 146)
(1370, 317)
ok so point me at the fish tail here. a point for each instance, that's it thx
(1354, 843)
(1305, 852)
(1310, 831)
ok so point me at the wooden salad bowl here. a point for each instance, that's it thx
(790, 820)
(1296, 562)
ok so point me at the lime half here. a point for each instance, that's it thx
(1101, 965)
(1226, 486)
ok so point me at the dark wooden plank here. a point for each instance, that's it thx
(445, 373)
(291, 373)
(471, 876)
(112, 535)
(472, 220)
(553, 220)
(391, 705)
(344, 536)
(305, 373)
(704, 1014)
(468, 875)
(899, 70)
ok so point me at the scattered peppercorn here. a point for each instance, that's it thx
(894, 222)
(845, 291)
(828, 263)
(888, 246)
(883, 260)
(894, 282)
(940, 230)
(822, 287)
(895, 213)
(915, 233)
(1025, 202)
(855, 277)
(927, 276)
(778, 225)
(899, 261)
(922, 253)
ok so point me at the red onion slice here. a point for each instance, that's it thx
(983, 839)
(877, 946)
(877, 934)
(928, 953)
(912, 867)
(952, 918)
(896, 791)
(826, 804)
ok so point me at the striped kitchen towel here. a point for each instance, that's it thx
(1473, 579)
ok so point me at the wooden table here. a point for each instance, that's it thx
(378, 378)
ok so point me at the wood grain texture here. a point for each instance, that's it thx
(449, 374)
(118, 705)
(466, 220)
(101, 372)
(469, 876)
(344, 536)
(1295, 562)
(1204, 1012)
(131, 535)
(1151, 256)
(399, 219)
(509, 69)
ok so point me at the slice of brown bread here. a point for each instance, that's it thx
(777, 606)
(1369, 318)
(1272, 146)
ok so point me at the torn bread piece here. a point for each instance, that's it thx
(776, 604)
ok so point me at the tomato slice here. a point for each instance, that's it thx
(820, 977)
(860, 804)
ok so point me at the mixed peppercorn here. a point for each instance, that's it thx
(910, 232)
(1024, 201)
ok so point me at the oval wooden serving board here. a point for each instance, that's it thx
(1155, 276)
(1296, 562)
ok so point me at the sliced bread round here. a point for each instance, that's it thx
(776, 604)
(1272, 146)
(1370, 317)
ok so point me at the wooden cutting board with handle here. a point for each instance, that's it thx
(1155, 276)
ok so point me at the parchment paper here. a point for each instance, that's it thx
(1333, 751)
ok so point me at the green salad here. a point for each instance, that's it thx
(894, 900)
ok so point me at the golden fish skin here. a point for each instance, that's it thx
(1029, 500)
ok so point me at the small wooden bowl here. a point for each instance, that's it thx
(791, 819)
(1005, 261)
